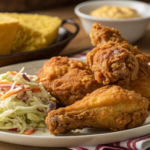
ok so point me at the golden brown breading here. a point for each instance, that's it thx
(112, 64)
(144, 61)
(142, 84)
(101, 35)
(67, 80)
(110, 107)
(106, 38)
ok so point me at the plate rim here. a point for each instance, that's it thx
(77, 136)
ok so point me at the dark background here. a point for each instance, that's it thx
(32, 5)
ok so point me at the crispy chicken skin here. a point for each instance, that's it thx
(144, 66)
(112, 64)
(142, 84)
(107, 38)
(67, 80)
(109, 107)
(101, 35)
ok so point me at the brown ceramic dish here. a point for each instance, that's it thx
(64, 37)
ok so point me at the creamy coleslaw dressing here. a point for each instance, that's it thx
(23, 104)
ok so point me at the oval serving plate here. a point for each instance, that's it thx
(75, 138)
(63, 38)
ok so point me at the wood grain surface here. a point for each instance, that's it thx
(79, 43)
(8, 146)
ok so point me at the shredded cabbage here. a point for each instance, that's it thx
(23, 104)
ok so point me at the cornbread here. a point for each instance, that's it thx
(114, 12)
(34, 31)
(8, 28)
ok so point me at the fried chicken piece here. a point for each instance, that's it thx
(107, 38)
(67, 80)
(144, 66)
(112, 64)
(142, 84)
(109, 107)
(101, 35)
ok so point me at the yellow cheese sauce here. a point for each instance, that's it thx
(115, 12)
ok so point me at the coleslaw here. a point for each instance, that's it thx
(24, 103)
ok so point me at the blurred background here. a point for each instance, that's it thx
(32, 5)
(64, 9)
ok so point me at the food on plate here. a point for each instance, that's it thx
(142, 84)
(112, 64)
(144, 63)
(8, 28)
(34, 31)
(101, 35)
(109, 107)
(104, 37)
(115, 12)
(67, 80)
(24, 103)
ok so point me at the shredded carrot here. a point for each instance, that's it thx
(13, 73)
(21, 90)
(30, 131)
(6, 82)
(11, 93)
(16, 83)
(37, 89)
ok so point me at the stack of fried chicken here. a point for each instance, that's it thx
(110, 91)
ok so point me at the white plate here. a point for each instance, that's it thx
(76, 138)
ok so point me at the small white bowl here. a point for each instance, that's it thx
(131, 29)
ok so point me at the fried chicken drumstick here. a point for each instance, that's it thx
(67, 80)
(112, 64)
(109, 107)
(101, 35)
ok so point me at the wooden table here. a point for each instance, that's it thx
(79, 43)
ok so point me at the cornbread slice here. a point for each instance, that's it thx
(8, 28)
(34, 31)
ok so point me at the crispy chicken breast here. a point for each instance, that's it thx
(67, 80)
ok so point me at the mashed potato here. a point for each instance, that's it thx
(115, 12)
